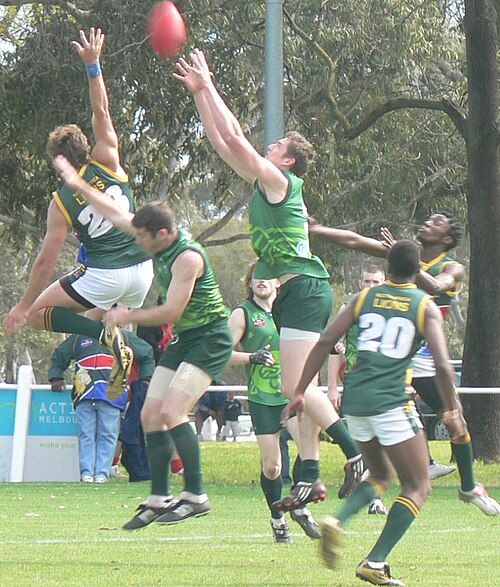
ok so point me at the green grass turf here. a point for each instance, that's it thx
(70, 534)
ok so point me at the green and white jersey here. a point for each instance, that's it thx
(280, 235)
(391, 320)
(103, 245)
(264, 383)
(205, 304)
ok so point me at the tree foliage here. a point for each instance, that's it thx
(381, 88)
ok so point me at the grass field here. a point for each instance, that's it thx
(70, 534)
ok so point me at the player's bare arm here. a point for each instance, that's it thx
(350, 240)
(43, 267)
(187, 268)
(334, 363)
(225, 132)
(102, 202)
(105, 150)
(449, 279)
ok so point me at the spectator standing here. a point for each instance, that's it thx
(232, 411)
(98, 408)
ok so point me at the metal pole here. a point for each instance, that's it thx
(273, 73)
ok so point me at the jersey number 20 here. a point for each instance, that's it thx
(391, 337)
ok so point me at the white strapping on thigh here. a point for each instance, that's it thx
(287, 333)
(191, 380)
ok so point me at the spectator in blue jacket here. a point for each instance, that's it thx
(98, 409)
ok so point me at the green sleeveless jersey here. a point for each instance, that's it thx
(264, 383)
(391, 319)
(103, 245)
(280, 235)
(205, 304)
(434, 268)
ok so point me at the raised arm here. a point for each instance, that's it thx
(449, 279)
(225, 132)
(43, 268)
(102, 202)
(105, 150)
(350, 240)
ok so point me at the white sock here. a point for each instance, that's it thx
(157, 501)
(379, 565)
(193, 497)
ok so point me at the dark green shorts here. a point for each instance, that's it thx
(265, 419)
(305, 303)
(208, 347)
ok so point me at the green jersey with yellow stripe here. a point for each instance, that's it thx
(102, 245)
(264, 382)
(280, 234)
(205, 304)
(391, 320)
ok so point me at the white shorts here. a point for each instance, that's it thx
(103, 288)
(389, 428)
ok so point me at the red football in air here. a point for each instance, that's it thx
(167, 30)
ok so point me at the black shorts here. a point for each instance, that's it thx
(427, 390)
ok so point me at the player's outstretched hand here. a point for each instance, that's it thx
(117, 316)
(195, 75)
(387, 236)
(262, 357)
(89, 49)
(296, 405)
(14, 319)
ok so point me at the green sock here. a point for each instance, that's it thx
(296, 470)
(360, 497)
(189, 450)
(159, 448)
(400, 518)
(338, 433)
(272, 489)
(309, 471)
(465, 462)
(62, 320)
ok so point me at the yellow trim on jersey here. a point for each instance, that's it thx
(421, 314)
(360, 302)
(120, 178)
(426, 266)
(400, 285)
(62, 207)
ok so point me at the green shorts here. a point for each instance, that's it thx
(208, 347)
(304, 303)
(265, 419)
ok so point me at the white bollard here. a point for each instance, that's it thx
(23, 405)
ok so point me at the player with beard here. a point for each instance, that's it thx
(253, 329)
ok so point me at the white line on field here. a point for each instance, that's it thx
(208, 538)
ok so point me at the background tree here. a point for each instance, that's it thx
(388, 91)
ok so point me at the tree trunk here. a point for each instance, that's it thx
(481, 366)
